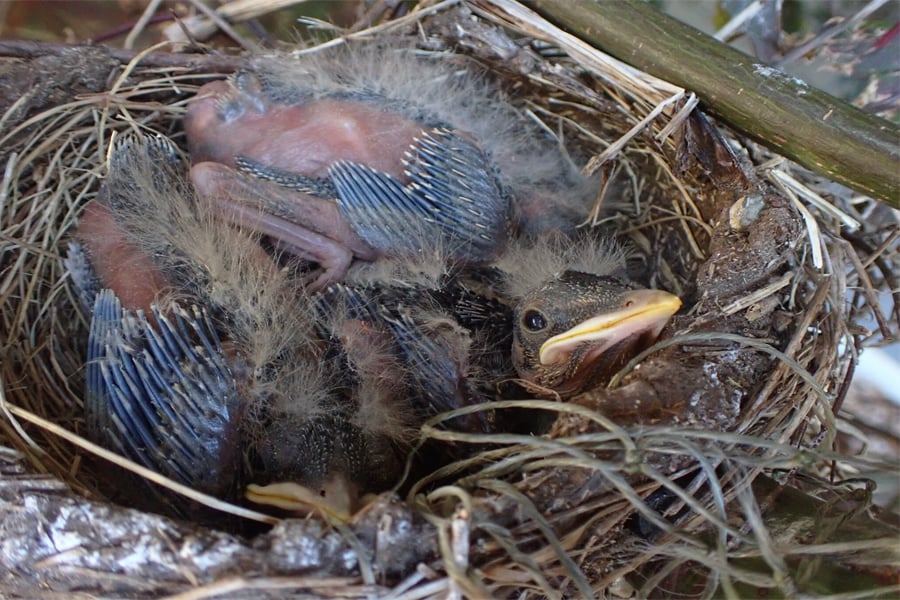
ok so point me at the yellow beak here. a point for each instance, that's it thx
(642, 311)
(335, 498)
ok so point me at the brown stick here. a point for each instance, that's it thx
(205, 63)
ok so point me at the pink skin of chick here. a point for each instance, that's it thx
(370, 151)
(302, 139)
(305, 139)
(117, 262)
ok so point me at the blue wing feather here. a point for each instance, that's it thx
(162, 393)
(453, 195)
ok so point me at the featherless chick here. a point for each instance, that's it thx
(210, 363)
(373, 151)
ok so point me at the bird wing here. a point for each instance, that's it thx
(297, 182)
(138, 162)
(436, 364)
(381, 210)
(162, 394)
(421, 337)
(83, 276)
(453, 196)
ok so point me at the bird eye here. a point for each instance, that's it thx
(533, 321)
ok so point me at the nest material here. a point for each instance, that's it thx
(655, 483)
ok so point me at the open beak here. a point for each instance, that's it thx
(642, 312)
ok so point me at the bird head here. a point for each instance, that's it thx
(322, 465)
(576, 317)
(578, 327)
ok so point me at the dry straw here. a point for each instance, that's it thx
(663, 483)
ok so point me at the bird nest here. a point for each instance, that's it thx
(663, 481)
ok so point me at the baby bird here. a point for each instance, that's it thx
(205, 362)
(214, 361)
(577, 319)
(376, 151)
(557, 313)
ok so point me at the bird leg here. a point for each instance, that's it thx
(395, 183)
(304, 225)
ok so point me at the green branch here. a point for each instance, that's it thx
(815, 129)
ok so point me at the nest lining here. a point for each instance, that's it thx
(757, 354)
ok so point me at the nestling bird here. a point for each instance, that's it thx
(577, 318)
(376, 151)
(213, 365)
(425, 201)
(558, 313)
(208, 364)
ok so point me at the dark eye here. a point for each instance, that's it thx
(533, 321)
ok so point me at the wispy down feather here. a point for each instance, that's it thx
(531, 262)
